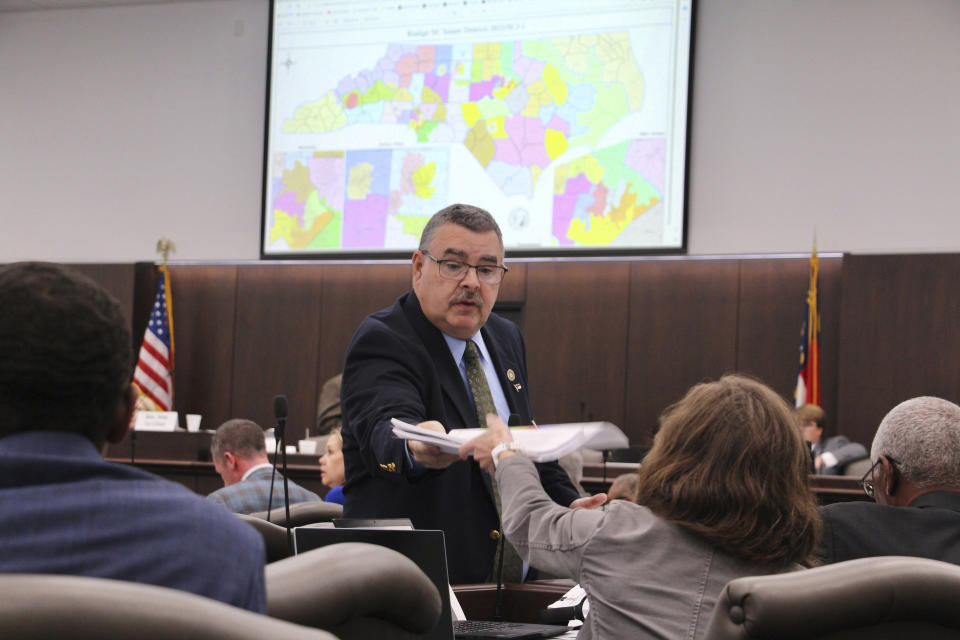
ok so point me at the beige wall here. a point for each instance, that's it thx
(120, 125)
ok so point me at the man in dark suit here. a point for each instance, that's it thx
(408, 362)
(65, 370)
(915, 481)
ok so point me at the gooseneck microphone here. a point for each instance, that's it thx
(280, 409)
(280, 413)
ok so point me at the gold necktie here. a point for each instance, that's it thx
(483, 399)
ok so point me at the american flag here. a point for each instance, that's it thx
(154, 372)
(808, 374)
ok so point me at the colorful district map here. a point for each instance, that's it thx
(515, 106)
(357, 199)
(597, 195)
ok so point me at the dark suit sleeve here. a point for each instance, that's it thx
(557, 483)
(382, 379)
(826, 553)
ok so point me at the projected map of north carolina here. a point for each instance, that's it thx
(517, 107)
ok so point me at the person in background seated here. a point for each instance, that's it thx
(331, 468)
(240, 457)
(65, 368)
(722, 494)
(915, 480)
(830, 455)
(624, 487)
(329, 416)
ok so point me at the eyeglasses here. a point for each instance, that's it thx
(867, 485)
(457, 270)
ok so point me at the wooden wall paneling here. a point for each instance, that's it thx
(204, 307)
(118, 279)
(351, 293)
(575, 327)
(276, 342)
(683, 330)
(901, 336)
(772, 297)
(513, 289)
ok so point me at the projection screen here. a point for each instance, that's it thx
(566, 119)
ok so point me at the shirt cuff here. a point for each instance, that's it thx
(414, 465)
(829, 460)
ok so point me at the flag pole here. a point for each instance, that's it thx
(165, 247)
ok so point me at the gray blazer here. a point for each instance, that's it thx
(844, 450)
(645, 577)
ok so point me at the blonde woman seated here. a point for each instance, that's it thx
(722, 494)
(331, 467)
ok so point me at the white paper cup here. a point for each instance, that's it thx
(308, 446)
(193, 421)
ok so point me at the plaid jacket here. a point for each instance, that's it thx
(251, 495)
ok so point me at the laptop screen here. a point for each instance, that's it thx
(425, 548)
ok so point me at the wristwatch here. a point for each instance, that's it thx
(500, 448)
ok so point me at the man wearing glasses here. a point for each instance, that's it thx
(420, 361)
(915, 481)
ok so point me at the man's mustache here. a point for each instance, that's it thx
(472, 296)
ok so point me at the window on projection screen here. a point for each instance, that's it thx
(566, 119)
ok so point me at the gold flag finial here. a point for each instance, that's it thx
(165, 247)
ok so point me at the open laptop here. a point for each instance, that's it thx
(426, 548)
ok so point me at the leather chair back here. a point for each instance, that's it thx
(354, 590)
(883, 598)
(302, 513)
(274, 536)
(857, 468)
(49, 607)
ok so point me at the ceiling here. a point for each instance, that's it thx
(7, 6)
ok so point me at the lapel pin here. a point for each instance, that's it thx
(511, 376)
(517, 386)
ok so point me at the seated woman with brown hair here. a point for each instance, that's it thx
(722, 494)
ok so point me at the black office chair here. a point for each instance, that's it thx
(883, 598)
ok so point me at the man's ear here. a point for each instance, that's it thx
(891, 477)
(229, 460)
(417, 262)
(121, 418)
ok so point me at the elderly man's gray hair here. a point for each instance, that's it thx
(923, 436)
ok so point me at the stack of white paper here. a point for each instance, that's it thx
(542, 443)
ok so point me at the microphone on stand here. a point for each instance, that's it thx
(280, 409)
